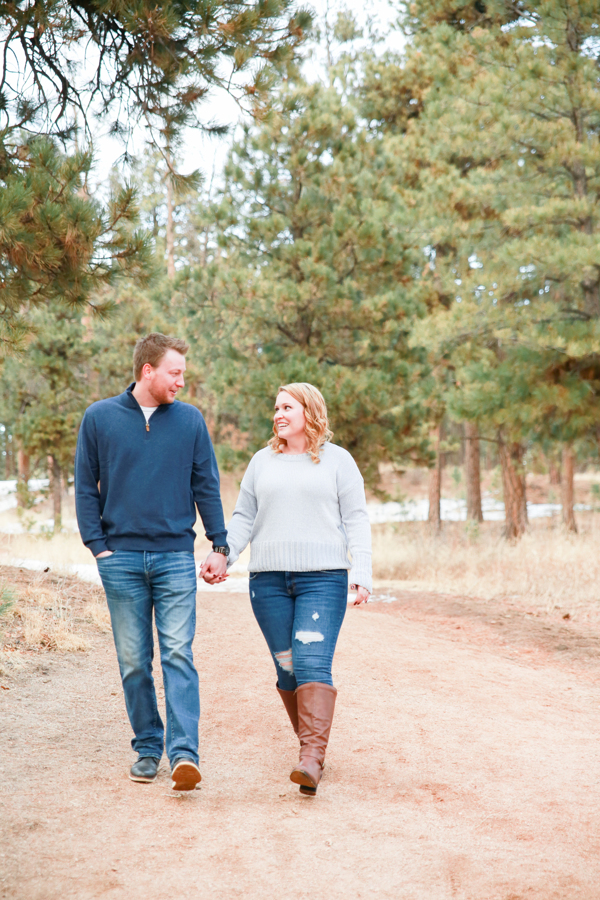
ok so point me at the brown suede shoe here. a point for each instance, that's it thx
(316, 704)
(186, 775)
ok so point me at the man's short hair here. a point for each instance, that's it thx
(152, 348)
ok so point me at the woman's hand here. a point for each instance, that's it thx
(214, 568)
(362, 594)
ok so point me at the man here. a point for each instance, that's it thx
(144, 462)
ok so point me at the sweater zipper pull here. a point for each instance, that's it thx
(147, 426)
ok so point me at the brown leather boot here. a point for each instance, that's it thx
(316, 703)
(291, 706)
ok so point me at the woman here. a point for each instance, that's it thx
(302, 508)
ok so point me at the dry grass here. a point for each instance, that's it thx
(46, 613)
(547, 568)
(97, 612)
(50, 633)
(60, 551)
(10, 662)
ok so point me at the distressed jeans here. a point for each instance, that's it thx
(300, 615)
(136, 585)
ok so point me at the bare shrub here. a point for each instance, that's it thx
(50, 632)
(33, 626)
(45, 614)
(63, 637)
(99, 615)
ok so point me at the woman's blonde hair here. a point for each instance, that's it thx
(315, 411)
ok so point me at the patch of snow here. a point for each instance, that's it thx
(87, 572)
(231, 586)
(44, 526)
(382, 598)
(455, 510)
(8, 493)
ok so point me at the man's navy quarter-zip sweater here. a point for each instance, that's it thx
(137, 483)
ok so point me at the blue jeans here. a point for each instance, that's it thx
(136, 583)
(300, 615)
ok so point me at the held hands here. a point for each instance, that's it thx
(362, 594)
(214, 568)
(105, 553)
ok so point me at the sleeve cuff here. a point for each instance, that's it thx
(97, 547)
(362, 577)
(233, 557)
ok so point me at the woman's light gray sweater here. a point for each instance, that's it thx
(300, 516)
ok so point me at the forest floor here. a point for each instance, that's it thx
(463, 763)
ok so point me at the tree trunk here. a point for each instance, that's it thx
(472, 473)
(57, 494)
(435, 481)
(513, 483)
(554, 472)
(567, 489)
(9, 460)
(23, 477)
(170, 226)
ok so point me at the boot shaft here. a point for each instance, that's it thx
(291, 706)
(316, 705)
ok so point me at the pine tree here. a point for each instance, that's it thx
(133, 313)
(166, 200)
(313, 281)
(46, 392)
(153, 62)
(509, 158)
(57, 244)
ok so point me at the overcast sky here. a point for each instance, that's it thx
(209, 154)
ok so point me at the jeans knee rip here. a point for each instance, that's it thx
(284, 659)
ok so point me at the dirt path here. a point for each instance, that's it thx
(463, 763)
